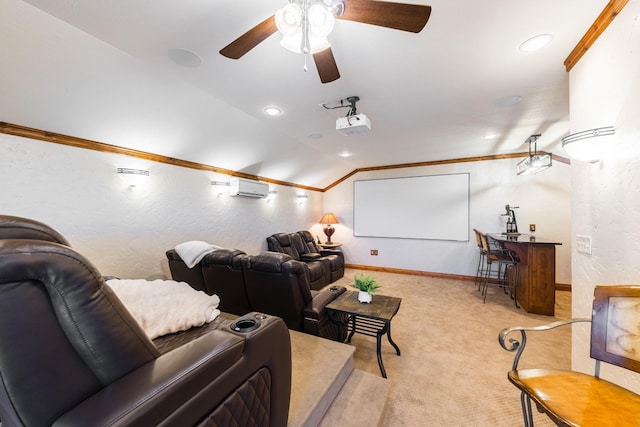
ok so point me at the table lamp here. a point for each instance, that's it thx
(329, 219)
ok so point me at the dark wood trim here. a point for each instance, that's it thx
(559, 286)
(565, 287)
(57, 138)
(610, 11)
(555, 157)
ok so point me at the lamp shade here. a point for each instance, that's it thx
(329, 218)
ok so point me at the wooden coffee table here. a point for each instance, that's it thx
(372, 319)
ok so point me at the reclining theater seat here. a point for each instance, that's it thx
(73, 355)
(319, 274)
(218, 273)
(223, 276)
(332, 258)
(279, 285)
(180, 272)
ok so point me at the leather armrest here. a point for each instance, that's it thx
(325, 252)
(316, 306)
(185, 385)
(152, 392)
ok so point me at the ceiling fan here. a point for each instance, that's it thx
(305, 25)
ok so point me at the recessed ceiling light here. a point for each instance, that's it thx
(536, 43)
(345, 154)
(272, 111)
(508, 101)
(490, 136)
(185, 58)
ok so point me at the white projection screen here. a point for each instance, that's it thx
(434, 207)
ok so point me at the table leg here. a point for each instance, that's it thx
(388, 326)
(353, 327)
(379, 350)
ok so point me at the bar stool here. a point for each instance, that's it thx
(505, 273)
(482, 260)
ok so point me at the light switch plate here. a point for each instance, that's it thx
(583, 244)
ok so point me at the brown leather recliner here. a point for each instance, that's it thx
(332, 258)
(223, 276)
(218, 273)
(279, 285)
(181, 272)
(291, 244)
(73, 355)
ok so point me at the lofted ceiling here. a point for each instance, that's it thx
(102, 70)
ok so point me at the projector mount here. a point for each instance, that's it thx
(351, 100)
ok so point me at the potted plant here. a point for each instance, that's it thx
(367, 286)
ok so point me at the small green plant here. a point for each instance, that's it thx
(366, 283)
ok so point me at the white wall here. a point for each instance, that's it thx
(604, 88)
(125, 231)
(543, 199)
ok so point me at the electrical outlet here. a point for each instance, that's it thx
(583, 244)
(374, 252)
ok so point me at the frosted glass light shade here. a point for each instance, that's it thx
(587, 146)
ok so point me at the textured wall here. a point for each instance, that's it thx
(125, 231)
(543, 198)
(606, 195)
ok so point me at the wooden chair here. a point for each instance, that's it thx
(577, 399)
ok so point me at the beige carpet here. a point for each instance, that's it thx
(452, 371)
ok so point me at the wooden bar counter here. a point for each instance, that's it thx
(536, 270)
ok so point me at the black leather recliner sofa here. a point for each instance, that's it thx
(272, 281)
(73, 355)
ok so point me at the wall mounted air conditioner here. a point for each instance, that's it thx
(247, 188)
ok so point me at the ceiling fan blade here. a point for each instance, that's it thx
(252, 38)
(326, 65)
(399, 16)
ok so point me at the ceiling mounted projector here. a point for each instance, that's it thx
(352, 122)
(357, 123)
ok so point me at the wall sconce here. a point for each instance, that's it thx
(221, 188)
(301, 199)
(329, 219)
(133, 177)
(271, 195)
(535, 162)
(585, 146)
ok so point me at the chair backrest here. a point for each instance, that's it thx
(308, 242)
(15, 227)
(284, 243)
(64, 334)
(180, 272)
(278, 285)
(615, 326)
(479, 239)
(223, 276)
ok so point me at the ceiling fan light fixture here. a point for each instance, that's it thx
(289, 19)
(321, 21)
(304, 30)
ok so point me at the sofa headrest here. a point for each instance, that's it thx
(223, 257)
(15, 227)
(268, 261)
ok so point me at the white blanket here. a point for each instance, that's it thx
(165, 306)
(193, 251)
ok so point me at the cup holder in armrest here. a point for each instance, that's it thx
(245, 325)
